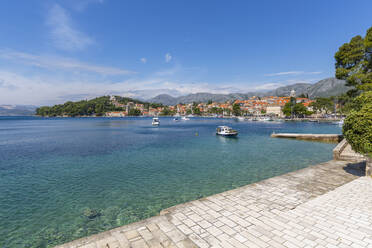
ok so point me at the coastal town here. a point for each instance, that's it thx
(255, 106)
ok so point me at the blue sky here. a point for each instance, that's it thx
(52, 51)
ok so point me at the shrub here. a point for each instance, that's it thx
(358, 125)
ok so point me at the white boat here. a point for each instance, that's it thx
(184, 118)
(176, 119)
(240, 118)
(226, 131)
(155, 121)
(264, 119)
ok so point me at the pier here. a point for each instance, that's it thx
(326, 205)
(314, 137)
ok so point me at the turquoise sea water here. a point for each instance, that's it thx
(62, 179)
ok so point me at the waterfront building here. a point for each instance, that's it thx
(116, 114)
(274, 110)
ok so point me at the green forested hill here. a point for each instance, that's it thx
(97, 106)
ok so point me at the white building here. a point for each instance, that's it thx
(274, 110)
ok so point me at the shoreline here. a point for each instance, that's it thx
(270, 196)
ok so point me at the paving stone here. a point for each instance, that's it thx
(132, 234)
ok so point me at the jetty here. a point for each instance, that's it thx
(325, 205)
(314, 137)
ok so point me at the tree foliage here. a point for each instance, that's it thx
(196, 110)
(357, 127)
(215, 110)
(236, 109)
(167, 111)
(295, 109)
(98, 106)
(354, 63)
(134, 112)
(323, 104)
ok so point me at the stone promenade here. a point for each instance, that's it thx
(327, 205)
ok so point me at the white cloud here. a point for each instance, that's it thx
(143, 60)
(168, 57)
(63, 33)
(293, 73)
(52, 62)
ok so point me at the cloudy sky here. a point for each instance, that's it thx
(52, 51)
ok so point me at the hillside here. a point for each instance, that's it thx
(323, 88)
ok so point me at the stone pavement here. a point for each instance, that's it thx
(327, 205)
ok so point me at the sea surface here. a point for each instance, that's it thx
(65, 178)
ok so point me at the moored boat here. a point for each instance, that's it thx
(226, 131)
(155, 121)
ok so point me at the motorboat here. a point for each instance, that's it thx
(226, 131)
(184, 118)
(155, 121)
(240, 118)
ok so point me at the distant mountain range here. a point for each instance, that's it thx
(17, 110)
(324, 88)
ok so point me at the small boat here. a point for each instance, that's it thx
(226, 131)
(184, 118)
(339, 123)
(240, 118)
(264, 119)
(176, 119)
(155, 121)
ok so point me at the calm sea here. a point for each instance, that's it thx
(62, 179)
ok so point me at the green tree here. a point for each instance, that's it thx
(295, 109)
(288, 108)
(236, 109)
(353, 63)
(166, 111)
(323, 104)
(216, 110)
(134, 112)
(196, 111)
(300, 110)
